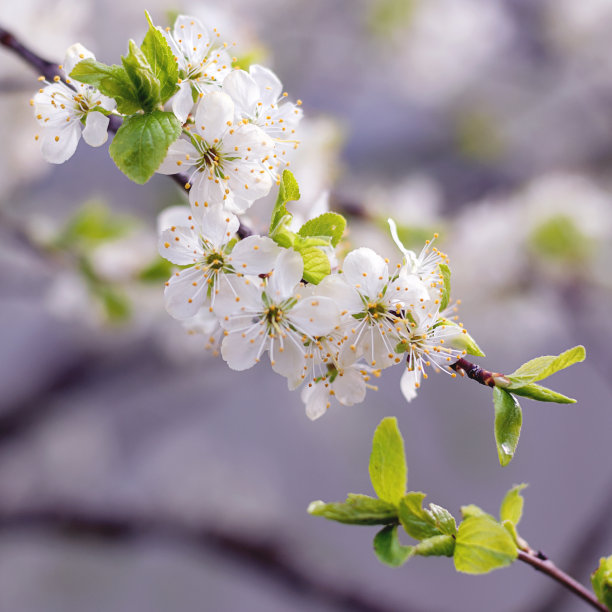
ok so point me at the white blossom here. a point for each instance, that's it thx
(67, 111)
(224, 161)
(202, 60)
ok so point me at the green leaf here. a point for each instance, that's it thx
(512, 505)
(316, 264)
(423, 523)
(601, 579)
(542, 394)
(388, 471)
(328, 224)
(116, 305)
(483, 545)
(92, 224)
(145, 83)
(436, 546)
(388, 548)
(445, 296)
(473, 510)
(113, 81)
(161, 60)
(464, 341)
(356, 510)
(508, 421)
(159, 270)
(288, 191)
(141, 143)
(543, 367)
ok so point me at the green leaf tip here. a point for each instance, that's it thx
(388, 548)
(422, 523)
(508, 421)
(328, 225)
(356, 510)
(512, 505)
(483, 545)
(388, 471)
(445, 296)
(601, 579)
(543, 367)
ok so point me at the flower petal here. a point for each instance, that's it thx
(241, 350)
(58, 145)
(174, 215)
(254, 255)
(214, 114)
(181, 156)
(244, 91)
(180, 245)
(182, 102)
(315, 316)
(218, 226)
(366, 271)
(287, 273)
(270, 87)
(95, 133)
(409, 383)
(75, 54)
(317, 399)
(185, 293)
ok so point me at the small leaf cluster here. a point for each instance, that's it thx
(479, 544)
(147, 78)
(508, 413)
(313, 240)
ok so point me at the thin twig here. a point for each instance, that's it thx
(265, 554)
(542, 564)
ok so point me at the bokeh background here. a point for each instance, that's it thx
(138, 473)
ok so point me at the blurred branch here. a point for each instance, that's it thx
(42, 66)
(264, 554)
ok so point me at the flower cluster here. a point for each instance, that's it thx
(326, 326)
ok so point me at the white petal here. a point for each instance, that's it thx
(241, 350)
(192, 38)
(214, 114)
(249, 142)
(182, 102)
(270, 87)
(254, 255)
(218, 226)
(367, 271)
(316, 398)
(243, 90)
(315, 316)
(183, 298)
(180, 245)
(287, 358)
(174, 215)
(237, 301)
(344, 295)
(204, 192)
(180, 157)
(349, 387)
(95, 133)
(288, 269)
(58, 145)
(409, 383)
(75, 54)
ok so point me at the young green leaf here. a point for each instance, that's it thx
(541, 394)
(316, 264)
(464, 341)
(328, 224)
(436, 546)
(145, 83)
(423, 523)
(356, 510)
(483, 545)
(388, 471)
(512, 505)
(113, 81)
(92, 224)
(388, 548)
(473, 510)
(543, 367)
(445, 297)
(601, 579)
(288, 191)
(161, 59)
(508, 421)
(141, 143)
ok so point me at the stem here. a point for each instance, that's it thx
(542, 564)
(475, 372)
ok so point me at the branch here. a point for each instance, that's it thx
(475, 372)
(542, 564)
(268, 556)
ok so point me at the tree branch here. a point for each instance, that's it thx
(266, 555)
(475, 372)
(542, 564)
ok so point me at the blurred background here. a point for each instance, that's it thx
(137, 472)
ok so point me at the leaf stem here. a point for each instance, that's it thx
(541, 563)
